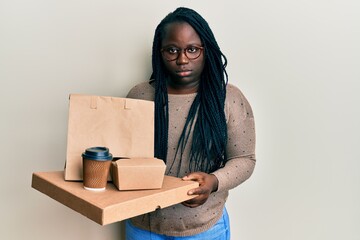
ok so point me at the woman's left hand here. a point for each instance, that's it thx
(208, 183)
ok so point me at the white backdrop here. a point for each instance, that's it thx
(296, 61)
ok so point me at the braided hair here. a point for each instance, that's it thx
(206, 115)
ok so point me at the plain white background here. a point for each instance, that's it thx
(296, 61)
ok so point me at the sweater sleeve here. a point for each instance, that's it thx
(241, 141)
(143, 91)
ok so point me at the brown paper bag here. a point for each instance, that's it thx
(125, 126)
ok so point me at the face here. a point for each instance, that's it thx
(184, 72)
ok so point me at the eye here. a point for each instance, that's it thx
(172, 50)
(192, 49)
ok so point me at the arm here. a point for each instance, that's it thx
(240, 151)
(241, 142)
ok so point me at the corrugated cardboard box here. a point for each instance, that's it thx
(138, 173)
(111, 205)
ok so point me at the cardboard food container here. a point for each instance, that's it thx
(138, 173)
(111, 205)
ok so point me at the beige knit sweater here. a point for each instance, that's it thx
(179, 220)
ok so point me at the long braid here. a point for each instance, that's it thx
(161, 99)
(208, 149)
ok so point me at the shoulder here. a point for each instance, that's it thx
(144, 90)
(233, 91)
(236, 102)
(234, 95)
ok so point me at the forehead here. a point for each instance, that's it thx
(181, 34)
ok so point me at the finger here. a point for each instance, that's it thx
(197, 191)
(192, 203)
(195, 202)
(192, 176)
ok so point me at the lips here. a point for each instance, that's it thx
(183, 73)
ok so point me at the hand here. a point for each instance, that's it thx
(208, 183)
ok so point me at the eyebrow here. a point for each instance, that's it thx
(189, 45)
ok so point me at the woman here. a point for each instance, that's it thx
(204, 129)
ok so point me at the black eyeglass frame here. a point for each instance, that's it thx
(182, 50)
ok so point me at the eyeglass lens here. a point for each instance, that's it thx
(173, 53)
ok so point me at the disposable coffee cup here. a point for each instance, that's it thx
(96, 168)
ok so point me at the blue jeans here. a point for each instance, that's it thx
(220, 231)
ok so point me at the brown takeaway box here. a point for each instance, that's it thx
(111, 205)
(138, 173)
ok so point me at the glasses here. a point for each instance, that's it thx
(172, 53)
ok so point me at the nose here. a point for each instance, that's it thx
(182, 58)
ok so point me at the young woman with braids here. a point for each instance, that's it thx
(204, 129)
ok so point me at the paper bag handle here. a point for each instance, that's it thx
(93, 102)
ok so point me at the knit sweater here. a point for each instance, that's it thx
(179, 220)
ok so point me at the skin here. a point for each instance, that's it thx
(208, 183)
(185, 76)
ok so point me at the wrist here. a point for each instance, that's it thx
(215, 183)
